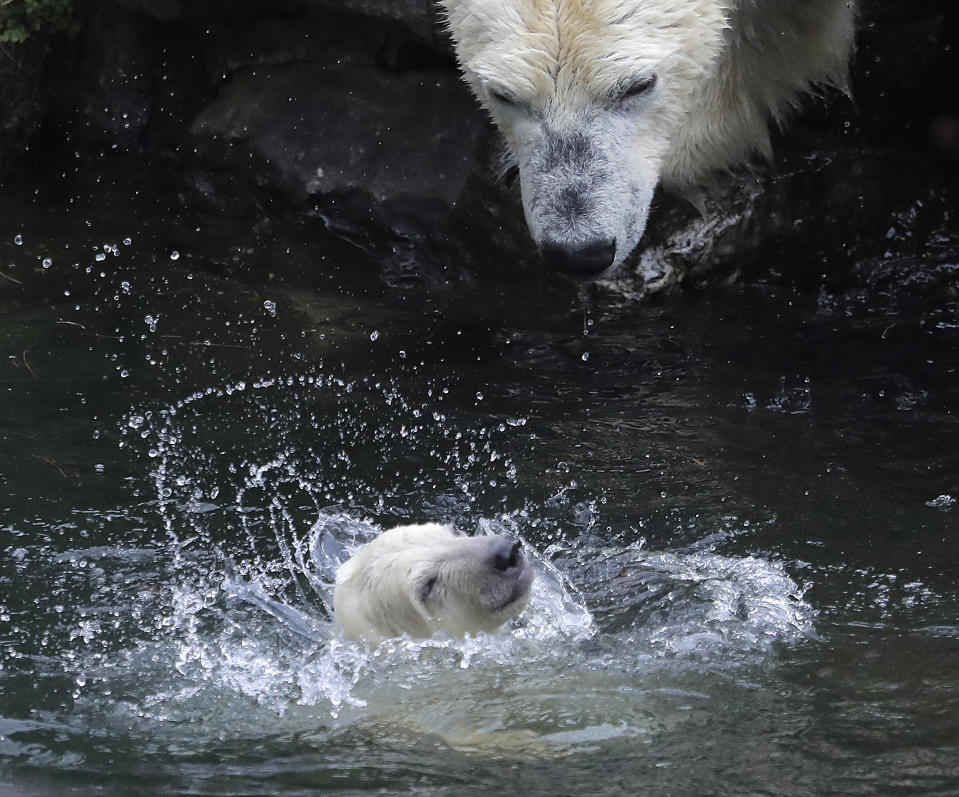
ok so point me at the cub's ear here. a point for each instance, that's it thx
(426, 589)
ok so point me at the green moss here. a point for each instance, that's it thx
(29, 31)
(20, 20)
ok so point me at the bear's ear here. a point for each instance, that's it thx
(425, 590)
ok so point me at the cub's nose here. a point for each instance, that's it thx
(585, 260)
(507, 554)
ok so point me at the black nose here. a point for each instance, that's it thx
(507, 554)
(581, 259)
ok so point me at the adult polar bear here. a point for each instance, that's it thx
(601, 100)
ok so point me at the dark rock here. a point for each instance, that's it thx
(319, 38)
(233, 46)
(418, 16)
(21, 85)
(116, 100)
(157, 9)
(314, 130)
(810, 219)
(898, 69)
(168, 10)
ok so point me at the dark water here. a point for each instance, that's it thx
(742, 504)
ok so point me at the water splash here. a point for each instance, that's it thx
(943, 502)
(244, 634)
(304, 650)
(244, 607)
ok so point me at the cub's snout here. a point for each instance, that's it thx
(423, 579)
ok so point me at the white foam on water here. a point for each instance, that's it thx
(239, 652)
(294, 653)
(284, 655)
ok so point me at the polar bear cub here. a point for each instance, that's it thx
(422, 579)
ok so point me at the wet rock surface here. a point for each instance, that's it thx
(352, 116)
(313, 130)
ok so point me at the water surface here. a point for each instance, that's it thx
(741, 504)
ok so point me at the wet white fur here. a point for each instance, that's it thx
(724, 70)
(377, 593)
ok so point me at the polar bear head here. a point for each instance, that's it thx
(589, 95)
(421, 579)
(600, 100)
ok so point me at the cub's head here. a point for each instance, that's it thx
(418, 580)
(590, 96)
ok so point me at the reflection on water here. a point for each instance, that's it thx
(740, 507)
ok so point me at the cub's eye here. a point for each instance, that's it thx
(502, 95)
(637, 88)
(426, 589)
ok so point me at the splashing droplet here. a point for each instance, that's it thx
(584, 303)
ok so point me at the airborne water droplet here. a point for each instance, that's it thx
(584, 303)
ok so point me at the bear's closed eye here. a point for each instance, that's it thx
(426, 588)
(636, 88)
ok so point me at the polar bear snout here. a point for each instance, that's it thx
(585, 260)
(514, 576)
(508, 554)
(426, 578)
